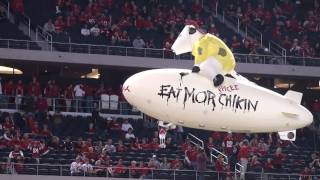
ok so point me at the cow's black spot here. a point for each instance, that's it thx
(222, 52)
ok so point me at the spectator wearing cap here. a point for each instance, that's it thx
(153, 162)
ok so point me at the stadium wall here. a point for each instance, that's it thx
(146, 62)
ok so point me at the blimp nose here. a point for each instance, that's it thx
(131, 88)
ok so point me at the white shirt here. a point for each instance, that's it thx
(129, 136)
(95, 31)
(125, 127)
(109, 148)
(86, 167)
(78, 91)
(85, 31)
(75, 167)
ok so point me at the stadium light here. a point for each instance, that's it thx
(9, 70)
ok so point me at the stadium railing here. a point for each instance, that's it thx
(152, 53)
(74, 105)
(149, 173)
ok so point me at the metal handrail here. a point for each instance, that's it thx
(225, 159)
(153, 170)
(198, 139)
(123, 107)
(148, 52)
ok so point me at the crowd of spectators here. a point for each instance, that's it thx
(81, 97)
(293, 24)
(38, 133)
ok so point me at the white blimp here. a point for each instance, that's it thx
(198, 99)
(183, 98)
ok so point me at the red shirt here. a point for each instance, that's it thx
(278, 159)
(228, 145)
(121, 148)
(69, 93)
(42, 104)
(219, 166)
(119, 169)
(59, 25)
(175, 164)
(19, 89)
(145, 146)
(9, 89)
(34, 88)
(244, 152)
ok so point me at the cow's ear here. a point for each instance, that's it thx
(192, 30)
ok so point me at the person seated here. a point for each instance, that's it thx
(129, 135)
(121, 147)
(109, 147)
(136, 145)
(119, 170)
(176, 164)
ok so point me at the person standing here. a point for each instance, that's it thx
(201, 163)
(78, 94)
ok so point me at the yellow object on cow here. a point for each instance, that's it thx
(210, 45)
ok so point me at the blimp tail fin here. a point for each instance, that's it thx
(294, 96)
(288, 135)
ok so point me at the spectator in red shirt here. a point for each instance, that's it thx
(121, 147)
(255, 164)
(37, 149)
(8, 124)
(133, 170)
(59, 25)
(45, 131)
(144, 145)
(227, 144)
(91, 154)
(136, 145)
(219, 164)
(305, 174)
(42, 104)
(143, 170)
(119, 169)
(154, 144)
(196, 7)
(17, 156)
(176, 164)
(25, 141)
(68, 95)
(278, 158)
(235, 44)
(34, 88)
(244, 154)
(268, 166)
